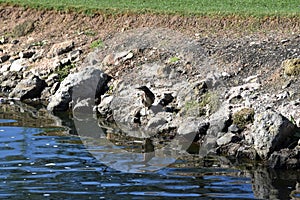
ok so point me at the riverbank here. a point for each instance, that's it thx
(233, 81)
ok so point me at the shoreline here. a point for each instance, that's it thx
(228, 79)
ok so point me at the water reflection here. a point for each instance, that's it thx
(40, 159)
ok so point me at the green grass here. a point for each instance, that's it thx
(183, 7)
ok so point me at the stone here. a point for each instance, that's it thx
(26, 54)
(104, 107)
(226, 139)
(154, 124)
(271, 132)
(233, 128)
(28, 88)
(52, 78)
(61, 48)
(4, 68)
(74, 55)
(4, 58)
(18, 65)
(3, 40)
(219, 123)
(90, 82)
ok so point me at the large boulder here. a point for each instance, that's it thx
(28, 88)
(271, 132)
(89, 83)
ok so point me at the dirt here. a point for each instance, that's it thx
(239, 46)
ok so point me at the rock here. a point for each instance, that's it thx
(117, 58)
(154, 124)
(61, 48)
(226, 139)
(18, 65)
(271, 132)
(3, 40)
(26, 54)
(88, 83)
(28, 88)
(4, 58)
(233, 128)
(74, 55)
(52, 78)
(291, 67)
(4, 68)
(219, 123)
(192, 126)
(9, 80)
(104, 107)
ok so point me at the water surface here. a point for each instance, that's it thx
(40, 159)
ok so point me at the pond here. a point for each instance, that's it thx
(42, 158)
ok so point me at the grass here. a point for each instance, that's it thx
(183, 7)
(96, 44)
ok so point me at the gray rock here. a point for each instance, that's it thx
(4, 58)
(18, 65)
(191, 126)
(61, 48)
(271, 132)
(104, 106)
(74, 55)
(28, 88)
(154, 124)
(4, 68)
(26, 54)
(53, 78)
(226, 139)
(233, 128)
(3, 40)
(219, 123)
(87, 83)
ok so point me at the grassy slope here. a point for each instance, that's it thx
(186, 7)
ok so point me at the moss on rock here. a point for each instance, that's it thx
(243, 117)
(291, 67)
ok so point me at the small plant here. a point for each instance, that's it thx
(64, 71)
(174, 59)
(96, 44)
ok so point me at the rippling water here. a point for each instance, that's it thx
(38, 165)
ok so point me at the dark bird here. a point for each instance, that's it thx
(148, 97)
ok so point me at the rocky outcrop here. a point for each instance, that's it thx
(202, 93)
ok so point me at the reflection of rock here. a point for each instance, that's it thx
(271, 184)
(285, 158)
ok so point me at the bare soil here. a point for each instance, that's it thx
(241, 46)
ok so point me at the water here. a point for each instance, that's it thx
(42, 161)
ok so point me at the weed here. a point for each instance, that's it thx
(96, 44)
(64, 71)
(174, 59)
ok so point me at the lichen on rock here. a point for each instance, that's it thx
(291, 67)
